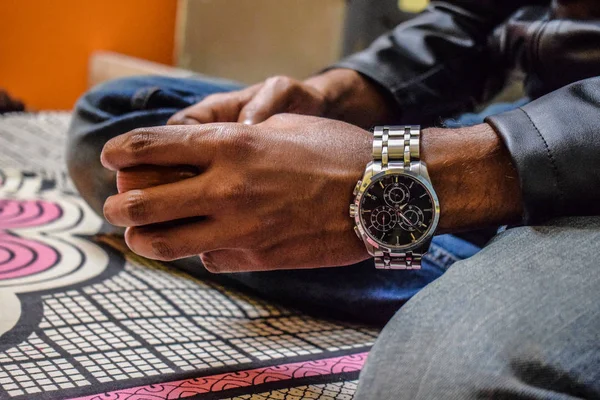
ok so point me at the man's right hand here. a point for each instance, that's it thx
(341, 94)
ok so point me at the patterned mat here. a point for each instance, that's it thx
(82, 317)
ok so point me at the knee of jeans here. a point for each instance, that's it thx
(129, 82)
(113, 96)
(94, 183)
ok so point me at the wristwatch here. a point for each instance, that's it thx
(395, 208)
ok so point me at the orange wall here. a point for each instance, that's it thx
(45, 44)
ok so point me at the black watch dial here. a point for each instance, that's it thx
(396, 210)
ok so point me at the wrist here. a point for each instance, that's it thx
(353, 98)
(474, 178)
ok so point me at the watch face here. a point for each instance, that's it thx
(397, 210)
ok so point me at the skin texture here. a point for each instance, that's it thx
(473, 176)
(275, 195)
(339, 94)
(268, 196)
(247, 188)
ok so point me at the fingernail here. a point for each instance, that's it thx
(248, 121)
(189, 121)
(187, 174)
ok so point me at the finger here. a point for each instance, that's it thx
(161, 203)
(219, 107)
(227, 260)
(164, 145)
(237, 260)
(206, 111)
(173, 241)
(271, 99)
(146, 176)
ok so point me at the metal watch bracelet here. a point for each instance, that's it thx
(396, 147)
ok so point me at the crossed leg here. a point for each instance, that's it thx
(519, 320)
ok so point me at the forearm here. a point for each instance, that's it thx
(534, 163)
(470, 168)
(473, 176)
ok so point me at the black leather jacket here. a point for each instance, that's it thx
(458, 53)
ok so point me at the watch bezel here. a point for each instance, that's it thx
(367, 182)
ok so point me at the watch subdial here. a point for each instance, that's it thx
(396, 193)
(384, 218)
(411, 219)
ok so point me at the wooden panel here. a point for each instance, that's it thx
(412, 5)
(105, 66)
(249, 40)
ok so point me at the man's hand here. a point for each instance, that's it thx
(339, 94)
(268, 196)
(276, 195)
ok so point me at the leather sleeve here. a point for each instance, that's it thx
(436, 64)
(551, 52)
(554, 142)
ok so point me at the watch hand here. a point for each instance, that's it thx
(404, 218)
(408, 221)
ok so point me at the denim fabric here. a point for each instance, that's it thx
(357, 291)
(519, 320)
(470, 119)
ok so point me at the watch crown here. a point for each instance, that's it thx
(353, 210)
(357, 188)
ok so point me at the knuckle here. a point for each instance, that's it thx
(216, 97)
(281, 81)
(141, 142)
(136, 207)
(284, 84)
(209, 100)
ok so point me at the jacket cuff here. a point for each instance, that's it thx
(533, 160)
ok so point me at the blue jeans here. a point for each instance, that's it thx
(359, 291)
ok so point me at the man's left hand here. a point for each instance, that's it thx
(269, 196)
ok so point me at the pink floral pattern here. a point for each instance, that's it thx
(20, 257)
(23, 257)
(49, 244)
(16, 214)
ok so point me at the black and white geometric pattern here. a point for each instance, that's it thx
(141, 322)
(25, 379)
